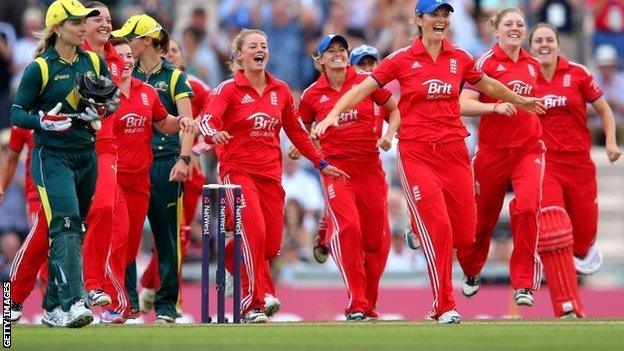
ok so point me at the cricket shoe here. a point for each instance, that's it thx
(16, 311)
(164, 319)
(411, 240)
(255, 317)
(371, 316)
(450, 317)
(271, 305)
(55, 318)
(146, 300)
(111, 317)
(78, 315)
(523, 297)
(591, 263)
(320, 251)
(356, 316)
(98, 297)
(471, 285)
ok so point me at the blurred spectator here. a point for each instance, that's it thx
(236, 14)
(485, 36)
(201, 59)
(32, 22)
(492, 6)
(301, 186)
(566, 16)
(11, 11)
(465, 34)
(7, 42)
(401, 258)
(296, 236)
(10, 243)
(611, 81)
(13, 208)
(397, 209)
(609, 24)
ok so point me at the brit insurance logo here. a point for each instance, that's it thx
(347, 117)
(551, 101)
(521, 88)
(134, 123)
(438, 89)
(263, 125)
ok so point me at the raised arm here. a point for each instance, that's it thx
(607, 120)
(348, 100)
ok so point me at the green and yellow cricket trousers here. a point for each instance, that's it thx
(65, 180)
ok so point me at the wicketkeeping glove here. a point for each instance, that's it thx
(99, 93)
(52, 121)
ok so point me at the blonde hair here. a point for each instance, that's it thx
(497, 17)
(237, 42)
(47, 38)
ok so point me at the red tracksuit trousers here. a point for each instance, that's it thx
(494, 171)
(358, 232)
(571, 184)
(438, 186)
(99, 221)
(134, 191)
(263, 222)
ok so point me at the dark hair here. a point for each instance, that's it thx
(162, 43)
(543, 25)
(119, 41)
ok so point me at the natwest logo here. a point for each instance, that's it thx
(521, 88)
(263, 124)
(551, 101)
(437, 89)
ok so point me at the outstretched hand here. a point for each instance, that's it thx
(322, 126)
(334, 172)
(534, 105)
(221, 138)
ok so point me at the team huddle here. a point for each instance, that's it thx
(121, 145)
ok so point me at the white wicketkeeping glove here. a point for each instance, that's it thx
(52, 121)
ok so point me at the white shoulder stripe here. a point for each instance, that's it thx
(396, 52)
(481, 61)
(218, 89)
(308, 88)
(459, 48)
(581, 67)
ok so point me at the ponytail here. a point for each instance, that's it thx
(47, 38)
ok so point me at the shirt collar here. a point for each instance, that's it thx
(418, 48)
(501, 55)
(242, 81)
(562, 63)
(323, 82)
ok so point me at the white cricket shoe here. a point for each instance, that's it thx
(164, 319)
(523, 297)
(471, 285)
(271, 305)
(55, 318)
(146, 299)
(255, 317)
(98, 297)
(450, 317)
(79, 315)
(591, 263)
(16, 311)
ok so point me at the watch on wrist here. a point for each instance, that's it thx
(186, 159)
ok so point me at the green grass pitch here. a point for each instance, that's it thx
(566, 335)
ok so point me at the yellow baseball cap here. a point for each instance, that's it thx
(61, 10)
(139, 26)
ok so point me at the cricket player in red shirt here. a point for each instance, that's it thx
(569, 214)
(355, 208)
(245, 115)
(29, 258)
(510, 152)
(99, 229)
(433, 160)
(32, 255)
(150, 280)
(139, 109)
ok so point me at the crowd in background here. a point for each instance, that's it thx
(592, 32)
